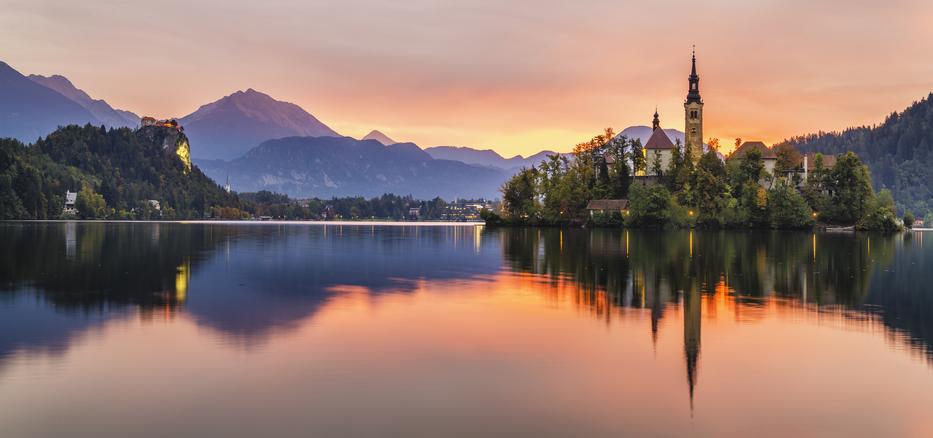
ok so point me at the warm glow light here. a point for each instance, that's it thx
(787, 86)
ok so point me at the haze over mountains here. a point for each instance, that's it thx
(265, 144)
(29, 110)
(486, 157)
(380, 137)
(304, 167)
(99, 108)
(229, 127)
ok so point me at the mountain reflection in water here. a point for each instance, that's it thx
(257, 284)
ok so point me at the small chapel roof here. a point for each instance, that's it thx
(659, 140)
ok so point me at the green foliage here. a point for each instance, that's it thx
(849, 184)
(751, 167)
(649, 205)
(679, 215)
(711, 190)
(122, 166)
(909, 220)
(899, 153)
(816, 188)
(91, 205)
(637, 157)
(656, 167)
(518, 196)
(880, 214)
(705, 193)
(788, 208)
(490, 217)
(610, 219)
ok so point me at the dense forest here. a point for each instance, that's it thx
(899, 153)
(704, 191)
(115, 172)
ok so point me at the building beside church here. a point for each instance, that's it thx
(768, 156)
(658, 150)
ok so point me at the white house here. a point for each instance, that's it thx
(70, 199)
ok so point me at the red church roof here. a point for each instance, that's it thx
(659, 140)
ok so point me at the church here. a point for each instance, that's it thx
(659, 147)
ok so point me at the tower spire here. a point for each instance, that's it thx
(693, 92)
(656, 123)
(693, 109)
(693, 71)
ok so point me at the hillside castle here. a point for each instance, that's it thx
(170, 135)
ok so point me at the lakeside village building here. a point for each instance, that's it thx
(660, 148)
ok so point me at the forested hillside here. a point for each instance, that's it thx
(899, 153)
(116, 171)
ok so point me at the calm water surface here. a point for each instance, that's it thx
(115, 330)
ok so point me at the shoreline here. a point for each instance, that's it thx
(234, 222)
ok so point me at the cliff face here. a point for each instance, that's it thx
(172, 139)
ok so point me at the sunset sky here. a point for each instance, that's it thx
(516, 76)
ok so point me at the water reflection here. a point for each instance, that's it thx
(857, 280)
(427, 322)
(246, 281)
(242, 281)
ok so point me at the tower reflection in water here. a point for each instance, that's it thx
(748, 276)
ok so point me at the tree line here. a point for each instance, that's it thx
(116, 173)
(386, 207)
(696, 189)
(899, 153)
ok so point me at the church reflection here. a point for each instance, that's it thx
(247, 282)
(846, 279)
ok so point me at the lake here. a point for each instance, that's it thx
(174, 329)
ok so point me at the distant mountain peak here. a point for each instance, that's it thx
(97, 107)
(380, 137)
(29, 110)
(234, 124)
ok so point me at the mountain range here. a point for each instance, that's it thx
(304, 167)
(29, 110)
(486, 157)
(99, 108)
(265, 144)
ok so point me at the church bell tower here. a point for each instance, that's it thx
(693, 111)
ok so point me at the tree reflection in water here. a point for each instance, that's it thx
(857, 280)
